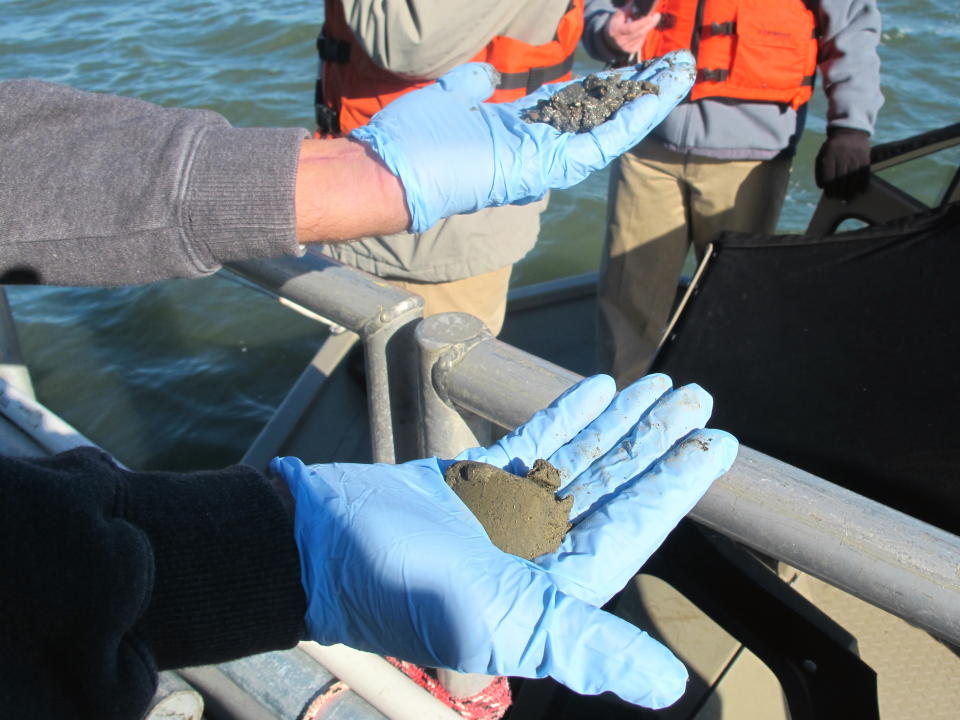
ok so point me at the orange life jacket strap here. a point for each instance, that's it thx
(721, 75)
(532, 79)
(727, 28)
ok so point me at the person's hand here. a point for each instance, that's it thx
(843, 163)
(456, 154)
(394, 563)
(627, 34)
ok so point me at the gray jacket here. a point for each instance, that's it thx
(424, 39)
(849, 69)
(160, 192)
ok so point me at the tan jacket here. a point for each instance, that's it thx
(422, 39)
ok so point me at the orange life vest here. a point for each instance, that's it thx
(352, 88)
(746, 49)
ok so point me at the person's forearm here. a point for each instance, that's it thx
(344, 192)
(849, 63)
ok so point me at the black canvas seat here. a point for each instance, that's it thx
(838, 354)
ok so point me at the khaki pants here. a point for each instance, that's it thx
(660, 203)
(484, 296)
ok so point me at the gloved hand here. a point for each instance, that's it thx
(843, 163)
(456, 154)
(394, 563)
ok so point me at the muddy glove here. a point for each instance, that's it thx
(456, 154)
(843, 163)
(394, 563)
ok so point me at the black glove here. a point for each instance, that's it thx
(843, 163)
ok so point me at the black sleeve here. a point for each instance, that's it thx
(109, 575)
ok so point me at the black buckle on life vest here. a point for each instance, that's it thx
(332, 50)
(708, 75)
(713, 29)
(808, 81)
(328, 119)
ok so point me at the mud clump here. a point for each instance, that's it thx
(522, 515)
(582, 106)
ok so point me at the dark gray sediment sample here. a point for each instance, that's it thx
(582, 106)
(522, 515)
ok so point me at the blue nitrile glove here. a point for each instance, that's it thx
(456, 154)
(394, 563)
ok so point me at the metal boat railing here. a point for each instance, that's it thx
(461, 373)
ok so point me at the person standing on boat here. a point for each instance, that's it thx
(111, 575)
(372, 53)
(722, 159)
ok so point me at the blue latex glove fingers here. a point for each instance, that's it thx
(549, 429)
(591, 651)
(600, 555)
(609, 428)
(471, 83)
(662, 423)
(628, 430)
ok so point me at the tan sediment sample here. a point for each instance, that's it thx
(522, 515)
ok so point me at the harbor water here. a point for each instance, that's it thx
(182, 374)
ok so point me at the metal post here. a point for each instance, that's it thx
(12, 368)
(382, 314)
(379, 683)
(48, 431)
(392, 379)
(174, 700)
(443, 339)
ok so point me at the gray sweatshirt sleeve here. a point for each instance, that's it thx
(849, 63)
(103, 190)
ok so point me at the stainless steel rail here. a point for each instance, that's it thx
(380, 313)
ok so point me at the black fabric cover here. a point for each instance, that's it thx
(838, 354)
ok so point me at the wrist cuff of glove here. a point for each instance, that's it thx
(833, 132)
(421, 219)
